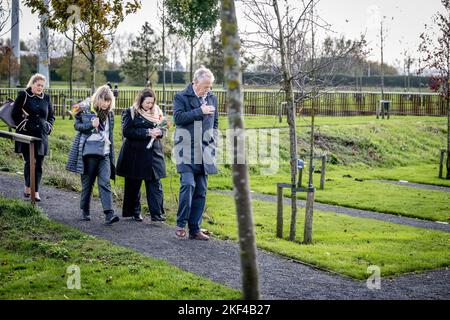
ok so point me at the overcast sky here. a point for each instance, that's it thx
(405, 21)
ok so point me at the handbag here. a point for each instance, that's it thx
(6, 111)
(94, 148)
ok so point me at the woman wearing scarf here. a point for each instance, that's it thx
(92, 152)
(141, 161)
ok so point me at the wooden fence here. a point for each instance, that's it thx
(266, 103)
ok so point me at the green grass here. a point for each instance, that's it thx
(402, 148)
(35, 253)
(366, 195)
(344, 244)
(360, 151)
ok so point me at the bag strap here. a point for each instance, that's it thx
(132, 112)
(23, 105)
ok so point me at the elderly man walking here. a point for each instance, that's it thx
(196, 119)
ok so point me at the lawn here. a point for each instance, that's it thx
(35, 253)
(361, 148)
(344, 244)
(361, 151)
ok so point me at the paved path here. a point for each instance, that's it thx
(218, 260)
(416, 185)
(426, 224)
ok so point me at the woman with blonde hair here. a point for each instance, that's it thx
(141, 157)
(33, 115)
(92, 152)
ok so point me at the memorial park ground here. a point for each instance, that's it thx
(364, 155)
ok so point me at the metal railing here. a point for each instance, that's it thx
(267, 103)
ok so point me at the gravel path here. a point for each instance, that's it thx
(426, 224)
(218, 260)
(416, 185)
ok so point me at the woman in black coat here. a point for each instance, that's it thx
(138, 161)
(33, 115)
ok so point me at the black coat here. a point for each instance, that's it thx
(84, 130)
(135, 160)
(39, 122)
(189, 118)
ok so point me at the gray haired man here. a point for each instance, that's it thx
(196, 119)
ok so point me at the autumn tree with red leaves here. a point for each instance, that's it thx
(435, 48)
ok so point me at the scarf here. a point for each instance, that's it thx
(103, 115)
(153, 115)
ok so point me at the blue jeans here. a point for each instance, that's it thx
(192, 200)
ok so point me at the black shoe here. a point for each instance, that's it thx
(85, 216)
(158, 218)
(137, 218)
(26, 195)
(110, 217)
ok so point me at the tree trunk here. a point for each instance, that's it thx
(382, 62)
(72, 56)
(447, 95)
(14, 65)
(291, 113)
(191, 74)
(44, 59)
(92, 68)
(232, 76)
(164, 55)
(448, 124)
(307, 233)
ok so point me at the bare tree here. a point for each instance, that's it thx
(164, 39)
(5, 12)
(120, 46)
(408, 61)
(232, 75)
(287, 33)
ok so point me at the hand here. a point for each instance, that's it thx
(155, 133)
(95, 122)
(207, 109)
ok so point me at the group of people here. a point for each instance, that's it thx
(141, 157)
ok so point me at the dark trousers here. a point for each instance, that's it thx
(26, 169)
(132, 197)
(100, 168)
(192, 200)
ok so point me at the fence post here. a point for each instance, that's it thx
(441, 163)
(280, 111)
(377, 110)
(292, 231)
(279, 212)
(307, 234)
(322, 174)
(63, 109)
(32, 173)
